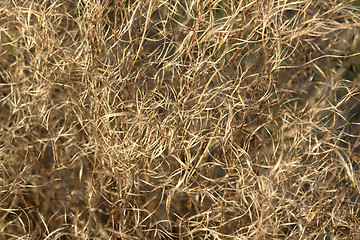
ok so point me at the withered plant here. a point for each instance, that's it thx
(179, 119)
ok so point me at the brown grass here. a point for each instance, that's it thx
(179, 119)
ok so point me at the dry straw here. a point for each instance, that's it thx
(179, 119)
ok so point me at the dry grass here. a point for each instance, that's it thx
(179, 119)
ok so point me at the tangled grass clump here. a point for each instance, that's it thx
(179, 119)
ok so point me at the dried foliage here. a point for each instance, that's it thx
(179, 119)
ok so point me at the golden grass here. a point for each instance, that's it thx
(179, 119)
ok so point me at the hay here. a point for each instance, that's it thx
(179, 119)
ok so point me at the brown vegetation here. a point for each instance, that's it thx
(179, 119)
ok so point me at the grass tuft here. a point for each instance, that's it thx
(154, 119)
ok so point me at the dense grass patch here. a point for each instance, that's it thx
(179, 119)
